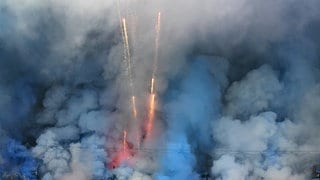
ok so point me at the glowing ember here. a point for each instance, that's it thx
(134, 108)
(152, 86)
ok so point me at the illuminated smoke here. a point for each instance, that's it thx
(203, 89)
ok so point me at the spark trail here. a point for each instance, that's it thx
(150, 115)
(127, 58)
(129, 67)
(152, 87)
(127, 49)
(122, 33)
(124, 141)
(125, 153)
(134, 107)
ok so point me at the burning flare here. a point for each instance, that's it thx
(134, 107)
(152, 88)
(124, 141)
(150, 115)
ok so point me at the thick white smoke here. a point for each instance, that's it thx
(237, 89)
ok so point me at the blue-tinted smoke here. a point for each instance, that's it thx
(17, 161)
(189, 112)
(17, 107)
(51, 50)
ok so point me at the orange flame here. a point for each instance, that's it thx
(152, 86)
(124, 141)
(151, 114)
(134, 108)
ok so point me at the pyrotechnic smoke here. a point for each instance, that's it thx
(205, 89)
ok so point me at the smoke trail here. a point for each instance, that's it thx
(157, 39)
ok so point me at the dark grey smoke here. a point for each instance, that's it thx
(238, 93)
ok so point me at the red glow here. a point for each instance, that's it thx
(124, 155)
(120, 158)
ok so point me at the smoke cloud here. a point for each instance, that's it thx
(236, 93)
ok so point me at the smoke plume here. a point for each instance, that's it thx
(184, 89)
